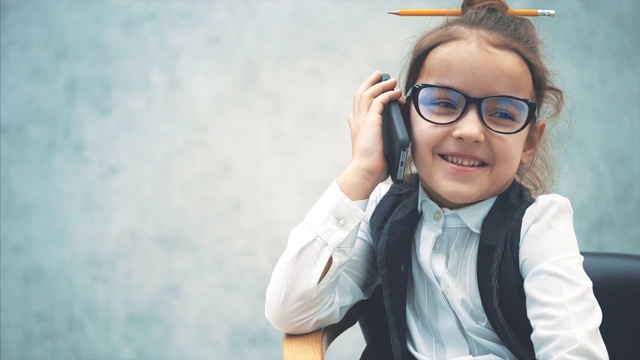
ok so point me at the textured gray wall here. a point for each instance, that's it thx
(155, 155)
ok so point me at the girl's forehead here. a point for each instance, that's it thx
(478, 68)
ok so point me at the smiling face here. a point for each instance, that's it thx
(463, 163)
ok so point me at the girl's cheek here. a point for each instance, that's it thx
(415, 125)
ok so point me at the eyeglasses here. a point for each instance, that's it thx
(500, 113)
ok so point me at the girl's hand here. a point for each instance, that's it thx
(368, 167)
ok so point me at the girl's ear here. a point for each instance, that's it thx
(533, 140)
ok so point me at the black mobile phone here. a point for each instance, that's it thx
(395, 139)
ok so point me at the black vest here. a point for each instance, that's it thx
(500, 283)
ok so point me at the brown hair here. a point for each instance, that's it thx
(487, 20)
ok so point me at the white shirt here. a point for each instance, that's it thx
(445, 317)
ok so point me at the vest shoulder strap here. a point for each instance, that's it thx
(499, 279)
(392, 225)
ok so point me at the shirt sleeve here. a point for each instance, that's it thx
(335, 228)
(561, 306)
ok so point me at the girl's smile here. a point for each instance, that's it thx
(464, 162)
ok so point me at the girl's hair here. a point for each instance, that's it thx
(487, 20)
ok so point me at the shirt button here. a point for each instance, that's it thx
(436, 245)
(437, 215)
(341, 222)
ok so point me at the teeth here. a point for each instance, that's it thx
(461, 161)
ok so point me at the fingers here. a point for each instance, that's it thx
(372, 80)
(372, 89)
(377, 105)
(365, 122)
(402, 101)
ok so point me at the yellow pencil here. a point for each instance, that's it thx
(458, 12)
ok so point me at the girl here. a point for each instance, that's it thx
(465, 262)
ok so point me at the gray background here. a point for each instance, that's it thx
(155, 155)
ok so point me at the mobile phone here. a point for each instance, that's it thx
(395, 139)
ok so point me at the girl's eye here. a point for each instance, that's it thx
(504, 111)
(501, 115)
(442, 105)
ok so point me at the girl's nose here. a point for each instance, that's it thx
(469, 127)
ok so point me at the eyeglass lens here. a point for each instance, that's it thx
(443, 106)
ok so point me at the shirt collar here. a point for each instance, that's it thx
(472, 215)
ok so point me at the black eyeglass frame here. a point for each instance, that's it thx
(415, 91)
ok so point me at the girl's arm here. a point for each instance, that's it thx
(329, 263)
(336, 233)
(561, 306)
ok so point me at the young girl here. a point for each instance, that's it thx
(465, 262)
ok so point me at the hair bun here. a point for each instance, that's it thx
(498, 6)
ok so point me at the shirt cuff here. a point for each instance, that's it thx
(335, 218)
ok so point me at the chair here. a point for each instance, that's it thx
(616, 285)
(314, 345)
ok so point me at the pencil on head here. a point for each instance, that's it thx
(458, 12)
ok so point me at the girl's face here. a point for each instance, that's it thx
(463, 163)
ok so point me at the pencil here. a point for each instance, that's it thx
(458, 12)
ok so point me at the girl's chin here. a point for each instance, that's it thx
(454, 195)
(454, 204)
